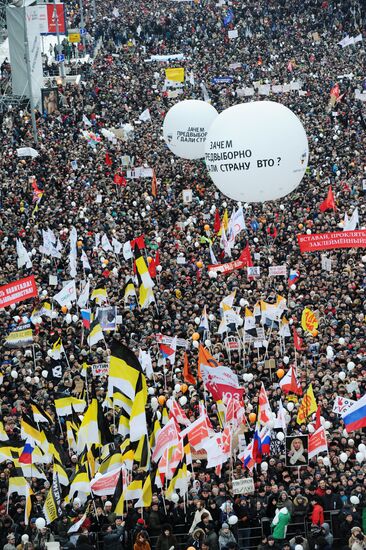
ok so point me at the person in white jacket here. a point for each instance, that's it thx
(198, 514)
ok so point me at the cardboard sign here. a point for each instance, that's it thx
(101, 369)
(161, 339)
(243, 485)
(326, 263)
(342, 404)
(232, 34)
(254, 271)
(18, 291)
(187, 195)
(277, 270)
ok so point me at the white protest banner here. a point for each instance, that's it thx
(277, 88)
(181, 260)
(100, 369)
(139, 172)
(145, 116)
(243, 485)
(187, 195)
(254, 271)
(264, 89)
(326, 263)
(166, 57)
(232, 34)
(241, 443)
(52, 280)
(342, 404)
(277, 270)
(232, 343)
(67, 294)
(360, 96)
(27, 152)
(161, 339)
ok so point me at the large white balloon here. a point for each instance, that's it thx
(256, 151)
(185, 128)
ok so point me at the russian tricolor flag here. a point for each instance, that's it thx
(355, 417)
(293, 277)
(168, 350)
(26, 455)
(265, 441)
(86, 317)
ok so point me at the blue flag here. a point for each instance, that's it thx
(229, 17)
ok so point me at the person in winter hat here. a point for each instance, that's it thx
(225, 536)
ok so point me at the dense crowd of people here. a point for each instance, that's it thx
(321, 505)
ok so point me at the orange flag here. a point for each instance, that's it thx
(154, 185)
(205, 358)
(187, 375)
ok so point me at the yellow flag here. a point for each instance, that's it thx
(308, 406)
(309, 322)
(176, 74)
(225, 219)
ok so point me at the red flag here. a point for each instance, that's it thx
(317, 418)
(108, 160)
(298, 342)
(329, 202)
(139, 241)
(246, 257)
(152, 268)
(119, 180)
(289, 383)
(187, 375)
(335, 91)
(154, 185)
(217, 222)
(272, 231)
(157, 258)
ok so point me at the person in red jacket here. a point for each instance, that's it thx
(317, 515)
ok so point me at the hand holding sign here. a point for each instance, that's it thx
(256, 152)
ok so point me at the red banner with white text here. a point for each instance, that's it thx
(329, 241)
(18, 291)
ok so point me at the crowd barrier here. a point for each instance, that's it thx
(248, 538)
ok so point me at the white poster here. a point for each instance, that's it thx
(277, 270)
(187, 195)
(244, 485)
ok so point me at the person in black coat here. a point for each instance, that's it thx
(166, 540)
(83, 543)
(331, 500)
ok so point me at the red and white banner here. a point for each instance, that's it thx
(167, 340)
(317, 442)
(243, 261)
(221, 382)
(167, 437)
(106, 483)
(228, 267)
(198, 432)
(47, 18)
(18, 291)
(329, 241)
